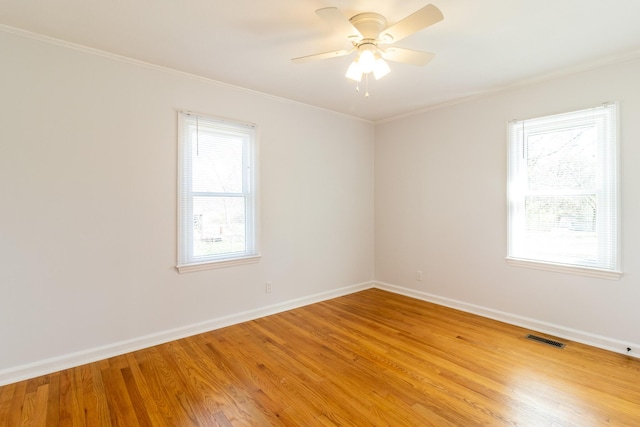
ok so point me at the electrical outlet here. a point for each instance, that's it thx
(418, 275)
(268, 286)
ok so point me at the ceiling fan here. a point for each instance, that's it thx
(370, 37)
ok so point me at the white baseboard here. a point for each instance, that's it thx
(47, 366)
(559, 331)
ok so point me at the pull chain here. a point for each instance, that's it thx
(366, 83)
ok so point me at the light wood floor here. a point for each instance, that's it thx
(367, 359)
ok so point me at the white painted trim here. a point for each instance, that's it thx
(588, 66)
(582, 337)
(116, 57)
(554, 75)
(190, 268)
(66, 361)
(47, 366)
(566, 269)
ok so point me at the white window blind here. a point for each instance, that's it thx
(563, 189)
(216, 190)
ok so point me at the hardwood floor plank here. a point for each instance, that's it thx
(231, 400)
(14, 414)
(53, 400)
(222, 419)
(6, 397)
(137, 401)
(119, 402)
(90, 394)
(201, 406)
(34, 408)
(242, 387)
(71, 413)
(437, 389)
(144, 400)
(28, 408)
(372, 358)
(351, 408)
(95, 395)
(156, 375)
(248, 362)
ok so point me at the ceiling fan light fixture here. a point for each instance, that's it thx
(366, 31)
(381, 69)
(366, 61)
(354, 72)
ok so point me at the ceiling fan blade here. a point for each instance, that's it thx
(413, 23)
(408, 56)
(325, 55)
(340, 22)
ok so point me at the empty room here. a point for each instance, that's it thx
(319, 213)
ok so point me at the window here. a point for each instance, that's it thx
(216, 193)
(562, 192)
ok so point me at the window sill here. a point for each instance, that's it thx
(210, 265)
(567, 269)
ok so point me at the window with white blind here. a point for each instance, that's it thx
(216, 193)
(563, 192)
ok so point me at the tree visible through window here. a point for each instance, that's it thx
(216, 190)
(563, 189)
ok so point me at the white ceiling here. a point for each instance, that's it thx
(480, 46)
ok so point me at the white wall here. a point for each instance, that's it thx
(440, 197)
(88, 200)
(88, 206)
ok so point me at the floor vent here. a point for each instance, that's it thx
(546, 341)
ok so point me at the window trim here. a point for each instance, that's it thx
(209, 265)
(605, 273)
(186, 262)
(564, 268)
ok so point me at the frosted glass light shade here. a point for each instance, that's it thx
(354, 72)
(366, 61)
(381, 69)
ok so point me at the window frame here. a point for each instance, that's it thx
(608, 189)
(187, 261)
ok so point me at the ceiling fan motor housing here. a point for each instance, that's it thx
(369, 24)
